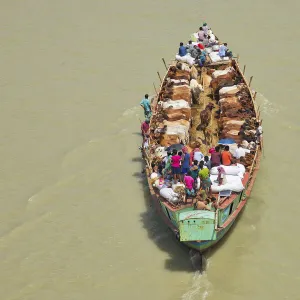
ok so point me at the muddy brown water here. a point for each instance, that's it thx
(75, 220)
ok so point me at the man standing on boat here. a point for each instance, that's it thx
(145, 104)
(182, 50)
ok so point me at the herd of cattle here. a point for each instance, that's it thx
(180, 89)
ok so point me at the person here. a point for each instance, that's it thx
(145, 104)
(201, 58)
(204, 177)
(213, 206)
(146, 140)
(198, 155)
(145, 127)
(226, 157)
(223, 51)
(175, 165)
(201, 34)
(258, 133)
(185, 166)
(212, 150)
(205, 28)
(240, 152)
(194, 169)
(221, 176)
(201, 205)
(182, 50)
(203, 171)
(205, 40)
(167, 162)
(189, 47)
(216, 157)
(189, 184)
(211, 39)
(195, 52)
(207, 162)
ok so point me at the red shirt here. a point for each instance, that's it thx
(145, 127)
(201, 46)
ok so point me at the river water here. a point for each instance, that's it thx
(76, 221)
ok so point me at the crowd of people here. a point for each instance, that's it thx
(192, 170)
(205, 39)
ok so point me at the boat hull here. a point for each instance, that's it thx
(202, 246)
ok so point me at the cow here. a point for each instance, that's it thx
(205, 117)
(178, 114)
(194, 73)
(196, 89)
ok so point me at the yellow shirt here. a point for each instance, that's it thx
(204, 173)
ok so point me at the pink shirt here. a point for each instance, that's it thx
(189, 181)
(176, 161)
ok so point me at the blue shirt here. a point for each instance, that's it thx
(146, 104)
(182, 51)
(186, 161)
(222, 51)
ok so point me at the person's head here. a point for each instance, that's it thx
(204, 24)
(217, 148)
(147, 121)
(200, 28)
(174, 152)
(239, 145)
(208, 36)
(180, 153)
(146, 96)
(213, 199)
(242, 160)
(226, 148)
(184, 149)
(201, 164)
(225, 44)
(206, 158)
(221, 170)
(169, 153)
(190, 42)
(195, 162)
(195, 46)
(181, 44)
(189, 173)
(256, 124)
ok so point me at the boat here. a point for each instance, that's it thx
(234, 118)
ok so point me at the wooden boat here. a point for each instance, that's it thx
(201, 229)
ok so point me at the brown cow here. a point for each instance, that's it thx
(205, 116)
(177, 114)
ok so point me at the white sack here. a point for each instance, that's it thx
(234, 183)
(169, 194)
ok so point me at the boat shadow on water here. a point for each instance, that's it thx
(179, 255)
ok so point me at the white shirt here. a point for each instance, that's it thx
(198, 156)
(239, 152)
(212, 38)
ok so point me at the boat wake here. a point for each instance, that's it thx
(266, 106)
(199, 288)
(200, 285)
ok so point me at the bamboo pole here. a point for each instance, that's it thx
(250, 80)
(254, 96)
(155, 89)
(244, 69)
(165, 63)
(159, 77)
(237, 58)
